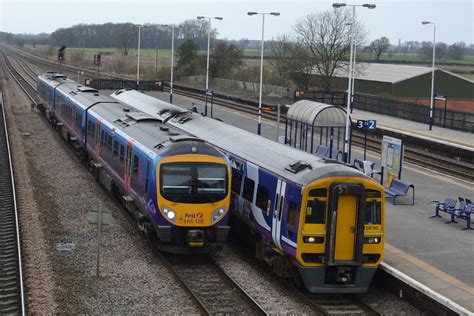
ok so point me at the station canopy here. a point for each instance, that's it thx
(317, 114)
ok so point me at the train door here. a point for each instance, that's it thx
(345, 221)
(97, 139)
(128, 165)
(277, 212)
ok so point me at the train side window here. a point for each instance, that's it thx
(136, 162)
(249, 187)
(116, 149)
(102, 138)
(372, 213)
(291, 218)
(122, 153)
(92, 130)
(236, 181)
(109, 142)
(78, 119)
(316, 212)
(263, 195)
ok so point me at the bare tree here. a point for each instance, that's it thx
(197, 31)
(457, 50)
(379, 46)
(126, 38)
(282, 53)
(327, 37)
(225, 57)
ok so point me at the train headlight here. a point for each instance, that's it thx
(372, 240)
(313, 239)
(218, 214)
(169, 213)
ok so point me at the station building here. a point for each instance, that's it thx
(403, 81)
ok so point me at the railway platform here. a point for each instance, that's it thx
(426, 249)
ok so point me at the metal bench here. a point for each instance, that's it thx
(398, 188)
(322, 151)
(448, 205)
(466, 215)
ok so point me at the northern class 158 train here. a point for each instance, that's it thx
(314, 220)
(176, 186)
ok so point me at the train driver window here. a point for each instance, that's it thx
(263, 198)
(372, 213)
(315, 212)
(249, 187)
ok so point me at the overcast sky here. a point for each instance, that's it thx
(394, 19)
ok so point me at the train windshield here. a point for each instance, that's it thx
(193, 182)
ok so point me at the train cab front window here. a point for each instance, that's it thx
(315, 212)
(193, 182)
(372, 212)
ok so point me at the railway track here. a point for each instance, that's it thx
(211, 288)
(337, 305)
(28, 88)
(12, 298)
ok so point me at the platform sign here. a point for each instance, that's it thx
(392, 158)
(366, 125)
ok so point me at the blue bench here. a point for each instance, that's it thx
(466, 215)
(464, 211)
(446, 206)
(398, 188)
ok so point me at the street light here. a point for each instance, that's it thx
(172, 60)
(432, 73)
(349, 89)
(259, 126)
(138, 57)
(208, 47)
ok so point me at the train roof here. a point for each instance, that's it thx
(293, 164)
(146, 129)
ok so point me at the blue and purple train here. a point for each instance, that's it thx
(176, 186)
(316, 220)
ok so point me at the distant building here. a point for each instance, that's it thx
(404, 81)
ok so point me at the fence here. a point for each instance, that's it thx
(117, 84)
(463, 121)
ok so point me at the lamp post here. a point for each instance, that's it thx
(172, 60)
(259, 126)
(138, 54)
(349, 88)
(208, 48)
(432, 73)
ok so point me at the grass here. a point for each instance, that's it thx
(255, 53)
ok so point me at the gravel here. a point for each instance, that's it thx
(55, 192)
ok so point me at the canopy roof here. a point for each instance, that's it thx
(317, 114)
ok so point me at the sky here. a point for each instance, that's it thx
(397, 20)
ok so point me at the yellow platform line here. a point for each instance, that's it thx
(427, 267)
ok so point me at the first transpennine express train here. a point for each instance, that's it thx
(314, 220)
(176, 186)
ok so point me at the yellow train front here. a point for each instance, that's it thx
(342, 234)
(193, 196)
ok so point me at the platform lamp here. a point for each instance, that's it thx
(259, 126)
(349, 89)
(432, 73)
(138, 53)
(208, 48)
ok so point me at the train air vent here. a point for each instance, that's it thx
(126, 109)
(298, 166)
(87, 90)
(122, 123)
(184, 119)
(161, 112)
(164, 128)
